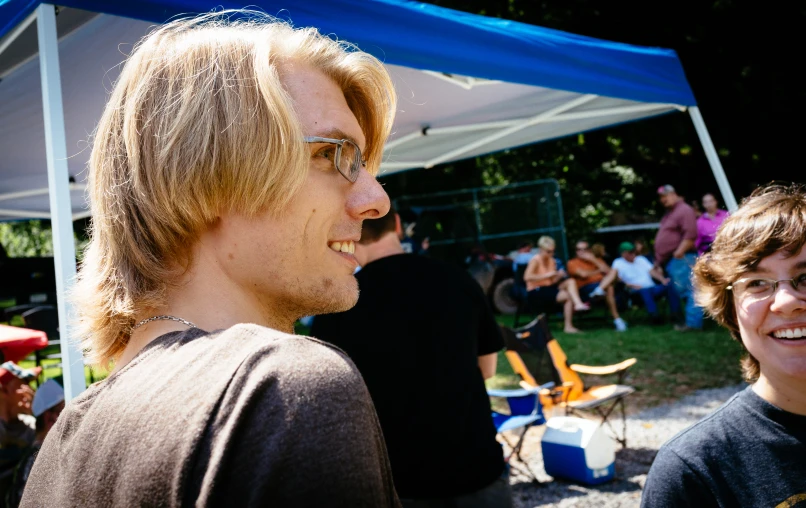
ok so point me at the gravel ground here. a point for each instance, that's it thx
(646, 432)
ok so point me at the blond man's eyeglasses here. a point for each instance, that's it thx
(345, 155)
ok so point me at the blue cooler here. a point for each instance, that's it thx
(579, 450)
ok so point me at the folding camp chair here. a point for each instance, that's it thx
(537, 357)
(525, 411)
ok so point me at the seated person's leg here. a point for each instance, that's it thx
(673, 297)
(610, 297)
(586, 292)
(608, 280)
(568, 312)
(648, 296)
(543, 299)
(570, 286)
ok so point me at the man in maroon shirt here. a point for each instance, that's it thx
(674, 251)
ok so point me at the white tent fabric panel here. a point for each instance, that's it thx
(439, 117)
(33, 204)
(88, 60)
(464, 117)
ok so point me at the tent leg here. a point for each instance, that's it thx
(713, 158)
(64, 250)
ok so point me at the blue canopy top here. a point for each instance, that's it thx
(428, 37)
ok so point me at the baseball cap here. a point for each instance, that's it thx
(626, 246)
(47, 396)
(665, 189)
(11, 370)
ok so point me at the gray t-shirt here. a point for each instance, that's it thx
(247, 416)
(746, 453)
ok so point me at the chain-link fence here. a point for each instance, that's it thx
(493, 219)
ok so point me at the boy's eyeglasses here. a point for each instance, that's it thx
(761, 289)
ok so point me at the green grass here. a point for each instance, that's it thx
(670, 364)
(50, 371)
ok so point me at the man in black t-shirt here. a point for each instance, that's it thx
(424, 339)
(751, 451)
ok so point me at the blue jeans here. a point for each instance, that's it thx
(652, 293)
(679, 270)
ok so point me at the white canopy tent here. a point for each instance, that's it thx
(443, 115)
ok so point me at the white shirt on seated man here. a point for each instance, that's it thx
(642, 277)
(635, 271)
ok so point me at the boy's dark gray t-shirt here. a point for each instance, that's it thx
(747, 453)
(247, 416)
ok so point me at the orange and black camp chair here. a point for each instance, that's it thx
(538, 358)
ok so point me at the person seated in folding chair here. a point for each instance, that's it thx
(47, 405)
(595, 279)
(547, 285)
(640, 276)
(424, 338)
(752, 450)
(16, 425)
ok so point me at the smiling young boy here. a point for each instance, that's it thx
(752, 450)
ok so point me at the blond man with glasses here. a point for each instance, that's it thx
(230, 174)
(752, 450)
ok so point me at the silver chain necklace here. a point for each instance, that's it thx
(167, 318)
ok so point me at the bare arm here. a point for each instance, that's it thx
(488, 364)
(601, 265)
(531, 271)
(584, 274)
(657, 273)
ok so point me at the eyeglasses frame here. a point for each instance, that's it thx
(775, 283)
(355, 169)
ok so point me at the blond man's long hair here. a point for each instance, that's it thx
(199, 123)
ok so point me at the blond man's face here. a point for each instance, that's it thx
(301, 261)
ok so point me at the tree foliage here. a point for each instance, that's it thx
(27, 239)
(34, 238)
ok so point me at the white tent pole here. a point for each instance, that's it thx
(37, 192)
(82, 215)
(404, 139)
(713, 159)
(24, 214)
(403, 164)
(18, 30)
(578, 101)
(64, 249)
(562, 117)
